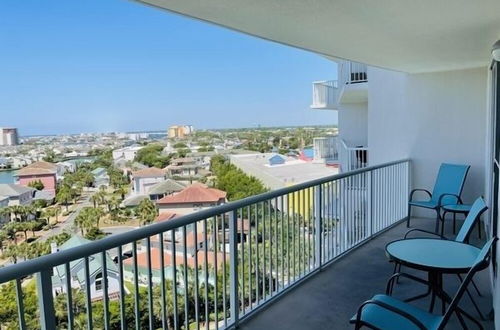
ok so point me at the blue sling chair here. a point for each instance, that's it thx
(474, 216)
(447, 190)
(388, 313)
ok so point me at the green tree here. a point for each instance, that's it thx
(146, 211)
(36, 184)
(64, 195)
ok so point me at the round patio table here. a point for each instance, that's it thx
(436, 257)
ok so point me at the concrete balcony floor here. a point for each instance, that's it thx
(329, 299)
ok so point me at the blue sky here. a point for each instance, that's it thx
(116, 65)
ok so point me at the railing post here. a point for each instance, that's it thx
(233, 267)
(45, 299)
(318, 223)
(369, 189)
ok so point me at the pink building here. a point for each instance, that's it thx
(39, 171)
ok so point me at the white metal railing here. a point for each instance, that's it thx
(326, 149)
(325, 94)
(352, 72)
(226, 262)
(352, 158)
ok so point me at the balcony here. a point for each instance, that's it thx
(325, 95)
(230, 261)
(352, 158)
(329, 299)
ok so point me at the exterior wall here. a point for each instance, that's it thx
(184, 208)
(353, 123)
(430, 118)
(48, 180)
(142, 185)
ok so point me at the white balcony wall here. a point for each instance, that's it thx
(431, 118)
(353, 124)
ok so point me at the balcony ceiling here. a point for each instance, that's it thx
(404, 35)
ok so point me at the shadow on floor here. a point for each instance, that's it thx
(329, 299)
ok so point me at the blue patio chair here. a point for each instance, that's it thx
(386, 312)
(447, 190)
(477, 209)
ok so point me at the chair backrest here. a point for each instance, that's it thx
(474, 215)
(450, 180)
(481, 262)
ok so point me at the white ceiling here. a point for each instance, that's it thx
(404, 35)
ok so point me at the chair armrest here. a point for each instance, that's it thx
(415, 190)
(444, 195)
(390, 308)
(423, 231)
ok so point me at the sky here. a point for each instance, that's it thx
(117, 65)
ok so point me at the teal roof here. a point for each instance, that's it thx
(77, 267)
(99, 171)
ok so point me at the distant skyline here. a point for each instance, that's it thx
(90, 66)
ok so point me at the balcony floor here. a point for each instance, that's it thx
(329, 299)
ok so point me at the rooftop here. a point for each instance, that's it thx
(149, 172)
(166, 187)
(38, 168)
(12, 190)
(196, 193)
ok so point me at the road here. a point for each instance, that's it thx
(68, 224)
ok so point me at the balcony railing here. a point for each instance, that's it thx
(325, 94)
(352, 158)
(228, 261)
(352, 73)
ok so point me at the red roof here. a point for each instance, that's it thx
(196, 193)
(38, 168)
(142, 259)
(166, 216)
(148, 172)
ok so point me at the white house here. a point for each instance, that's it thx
(127, 153)
(144, 179)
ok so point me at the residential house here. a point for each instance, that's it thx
(17, 194)
(183, 167)
(39, 171)
(164, 188)
(127, 153)
(101, 177)
(78, 278)
(4, 202)
(191, 199)
(143, 180)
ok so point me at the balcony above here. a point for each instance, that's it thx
(325, 95)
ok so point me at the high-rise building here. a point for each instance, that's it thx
(180, 131)
(8, 136)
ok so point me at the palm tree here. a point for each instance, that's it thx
(64, 196)
(3, 237)
(147, 212)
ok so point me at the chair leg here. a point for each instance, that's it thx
(442, 224)
(438, 218)
(409, 216)
(454, 223)
(479, 228)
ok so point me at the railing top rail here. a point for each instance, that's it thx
(49, 261)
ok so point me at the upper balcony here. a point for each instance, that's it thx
(325, 94)
(350, 88)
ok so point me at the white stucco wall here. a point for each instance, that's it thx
(353, 123)
(430, 118)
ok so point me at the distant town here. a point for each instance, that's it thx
(61, 191)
